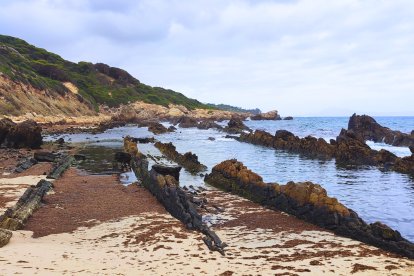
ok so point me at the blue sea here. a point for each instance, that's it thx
(375, 195)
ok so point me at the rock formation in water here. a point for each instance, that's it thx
(236, 126)
(347, 149)
(157, 128)
(27, 134)
(188, 160)
(307, 201)
(271, 115)
(368, 129)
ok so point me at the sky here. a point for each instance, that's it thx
(300, 57)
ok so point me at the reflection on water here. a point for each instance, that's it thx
(375, 195)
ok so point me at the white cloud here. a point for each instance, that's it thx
(310, 57)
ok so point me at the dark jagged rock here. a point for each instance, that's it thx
(411, 149)
(14, 218)
(27, 134)
(211, 138)
(122, 157)
(168, 170)
(44, 156)
(348, 149)
(188, 160)
(288, 118)
(5, 236)
(236, 126)
(166, 189)
(172, 128)
(25, 165)
(307, 201)
(157, 128)
(60, 166)
(207, 124)
(271, 115)
(146, 140)
(367, 128)
(187, 122)
(113, 123)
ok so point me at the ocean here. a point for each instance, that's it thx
(375, 195)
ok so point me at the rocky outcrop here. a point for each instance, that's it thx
(207, 124)
(367, 128)
(15, 217)
(157, 128)
(285, 140)
(27, 134)
(307, 201)
(347, 149)
(166, 189)
(44, 156)
(288, 118)
(5, 236)
(188, 160)
(271, 115)
(60, 165)
(236, 126)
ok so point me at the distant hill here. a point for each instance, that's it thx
(35, 80)
(233, 108)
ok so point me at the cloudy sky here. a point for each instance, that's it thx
(303, 57)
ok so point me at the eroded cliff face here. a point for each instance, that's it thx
(17, 98)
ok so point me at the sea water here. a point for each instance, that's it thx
(375, 195)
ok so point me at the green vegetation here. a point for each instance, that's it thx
(97, 83)
(227, 107)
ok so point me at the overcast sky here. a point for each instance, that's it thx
(303, 58)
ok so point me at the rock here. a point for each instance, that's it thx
(5, 126)
(60, 141)
(187, 122)
(44, 156)
(122, 157)
(157, 128)
(172, 128)
(5, 236)
(411, 149)
(271, 115)
(368, 129)
(235, 126)
(188, 160)
(307, 201)
(168, 170)
(288, 118)
(60, 166)
(207, 124)
(169, 193)
(211, 138)
(27, 134)
(25, 165)
(16, 217)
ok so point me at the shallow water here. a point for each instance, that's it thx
(375, 195)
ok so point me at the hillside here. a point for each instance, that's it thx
(35, 80)
(231, 108)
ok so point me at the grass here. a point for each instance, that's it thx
(26, 63)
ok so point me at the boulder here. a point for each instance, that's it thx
(207, 124)
(27, 134)
(157, 128)
(288, 118)
(187, 122)
(235, 126)
(271, 115)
